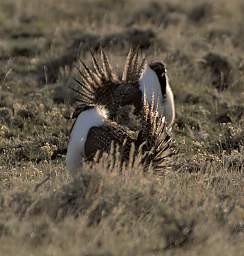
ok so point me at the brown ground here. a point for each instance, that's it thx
(197, 208)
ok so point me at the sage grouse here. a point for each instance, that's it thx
(101, 93)
(93, 131)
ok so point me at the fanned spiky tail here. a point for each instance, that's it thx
(100, 85)
(96, 82)
(156, 139)
(134, 65)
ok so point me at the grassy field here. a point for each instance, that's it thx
(194, 208)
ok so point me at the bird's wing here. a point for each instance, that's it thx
(101, 138)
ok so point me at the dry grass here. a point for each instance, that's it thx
(197, 207)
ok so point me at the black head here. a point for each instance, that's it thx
(160, 70)
(158, 67)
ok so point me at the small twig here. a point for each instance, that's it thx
(45, 74)
(38, 185)
(6, 75)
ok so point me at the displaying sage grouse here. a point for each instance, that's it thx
(101, 92)
(93, 131)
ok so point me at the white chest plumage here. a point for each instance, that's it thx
(150, 86)
(87, 119)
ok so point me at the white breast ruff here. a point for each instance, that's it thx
(151, 88)
(93, 117)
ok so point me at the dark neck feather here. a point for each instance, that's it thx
(160, 71)
(80, 109)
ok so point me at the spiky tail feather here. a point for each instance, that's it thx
(134, 65)
(100, 80)
(95, 82)
(151, 149)
(156, 140)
